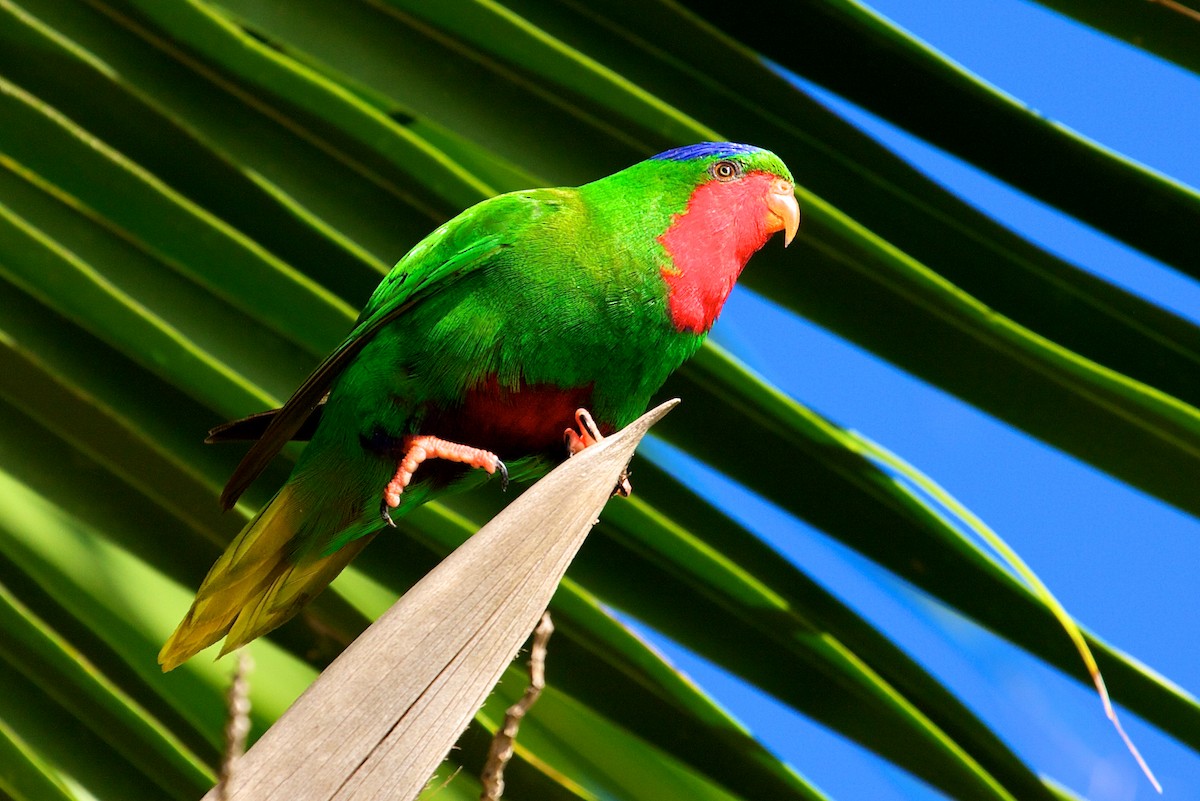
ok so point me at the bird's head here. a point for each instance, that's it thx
(707, 208)
(713, 205)
(736, 189)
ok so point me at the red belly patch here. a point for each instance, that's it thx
(512, 422)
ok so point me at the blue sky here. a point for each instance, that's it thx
(1122, 563)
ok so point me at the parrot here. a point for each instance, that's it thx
(514, 335)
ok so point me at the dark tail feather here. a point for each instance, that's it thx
(249, 429)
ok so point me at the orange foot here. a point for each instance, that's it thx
(588, 435)
(419, 447)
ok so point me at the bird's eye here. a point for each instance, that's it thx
(725, 170)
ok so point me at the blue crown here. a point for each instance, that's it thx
(705, 150)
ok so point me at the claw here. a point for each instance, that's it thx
(623, 488)
(583, 418)
(587, 435)
(384, 513)
(503, 475)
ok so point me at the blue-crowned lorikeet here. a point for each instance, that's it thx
(481, 349)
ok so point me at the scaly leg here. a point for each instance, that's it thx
(419, 447)
(588, 435)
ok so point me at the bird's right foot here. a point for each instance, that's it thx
(416, 448)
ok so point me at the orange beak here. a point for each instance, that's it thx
(784, 211)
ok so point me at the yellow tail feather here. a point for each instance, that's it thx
(255, 586)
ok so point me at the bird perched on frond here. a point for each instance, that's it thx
(531, 318)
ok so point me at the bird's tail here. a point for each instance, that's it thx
(259, 583)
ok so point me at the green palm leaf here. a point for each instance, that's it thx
(195, 197)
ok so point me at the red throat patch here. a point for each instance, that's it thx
(709, 244)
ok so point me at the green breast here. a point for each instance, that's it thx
(574, 300)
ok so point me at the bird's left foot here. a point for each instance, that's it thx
(419, 447)
(588, 435)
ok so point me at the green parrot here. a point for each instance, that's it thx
(516, 334)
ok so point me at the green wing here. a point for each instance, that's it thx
(461, 246)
